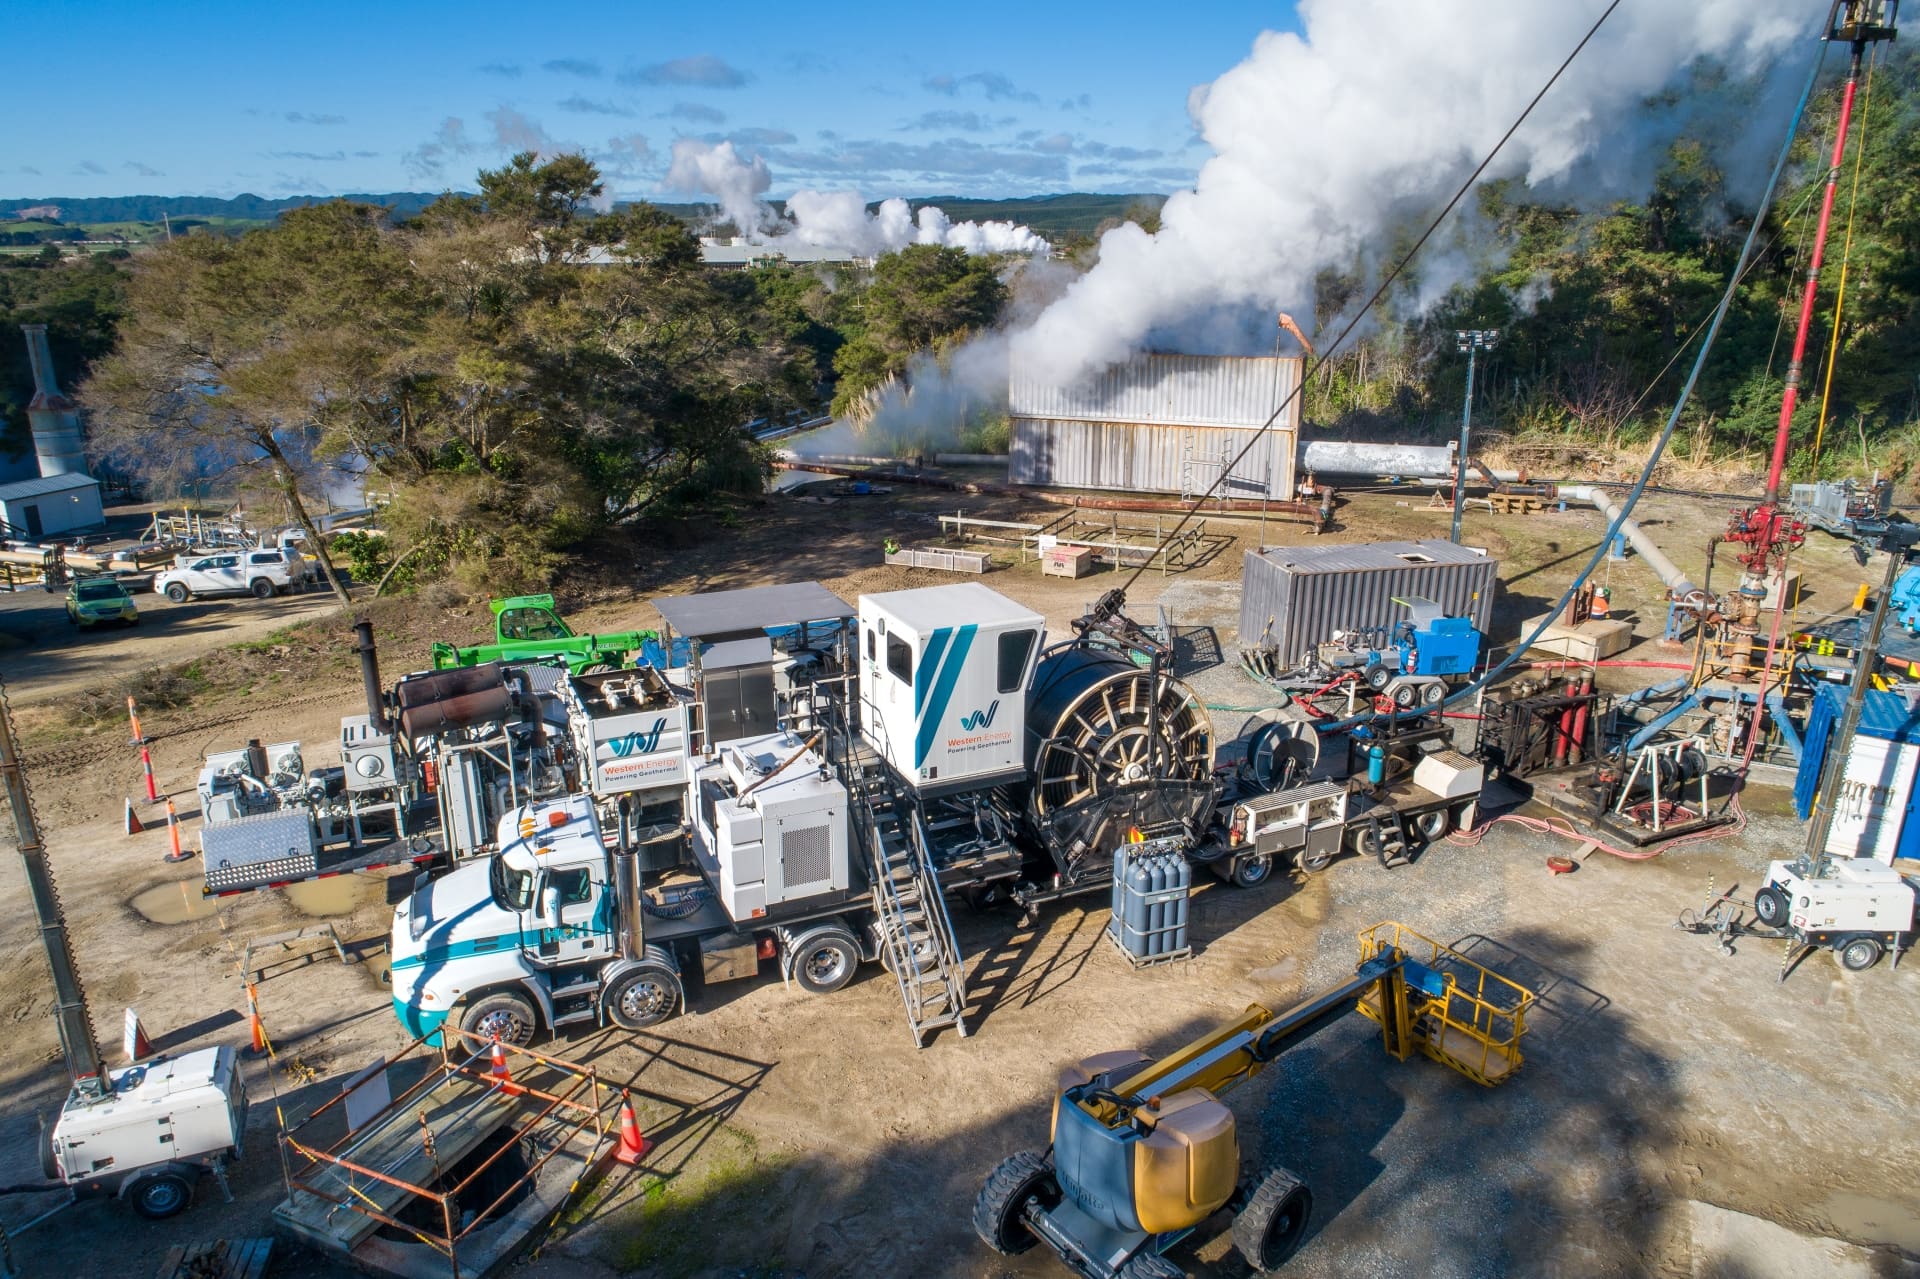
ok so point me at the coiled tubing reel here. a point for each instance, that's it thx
(1113, 746)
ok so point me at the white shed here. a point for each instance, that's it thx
(51, 506)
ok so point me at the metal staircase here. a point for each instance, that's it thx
(916, 934)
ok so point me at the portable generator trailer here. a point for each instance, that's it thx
(1144, 1151)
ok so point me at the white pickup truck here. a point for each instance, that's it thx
(262, 573)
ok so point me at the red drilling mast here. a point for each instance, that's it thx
(1766, 531)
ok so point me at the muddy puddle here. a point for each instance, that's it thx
(340, 895)
(179, 903)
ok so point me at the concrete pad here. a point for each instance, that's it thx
(1591, 641)
(1732, 1245)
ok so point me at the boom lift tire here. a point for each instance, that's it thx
(1268, 1230)
(1150, 1265)
(645, 995)
(825, 960)
(999, 1208)
(1860, 954)
(159, 1195)
(502, 1013)
(1770, 904)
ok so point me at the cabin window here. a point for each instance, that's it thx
(1015, 648)
(871, 654)
(900, 659)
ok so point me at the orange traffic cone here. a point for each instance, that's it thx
(258, 1048)
(133, 823)
(501, 1075)
(633, 1144)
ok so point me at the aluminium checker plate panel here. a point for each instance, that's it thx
(259, 847)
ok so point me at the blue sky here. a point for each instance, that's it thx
(283, 99)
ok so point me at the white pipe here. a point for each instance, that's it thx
(1678, 584)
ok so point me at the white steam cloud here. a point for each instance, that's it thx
(1323, 143)
(829, 219)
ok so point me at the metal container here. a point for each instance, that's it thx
(1160, 424)
(1294, 597)
(1147, 458)
(1166, 390)
(1872, 815)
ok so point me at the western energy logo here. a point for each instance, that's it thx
(639, 743)
(974, 721)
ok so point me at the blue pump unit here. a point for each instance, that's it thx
(1905, 601)
(1431, 643)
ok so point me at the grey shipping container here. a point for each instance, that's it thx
(1294, 597)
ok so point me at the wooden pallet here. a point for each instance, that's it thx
(1515, 504)
(221, 1259)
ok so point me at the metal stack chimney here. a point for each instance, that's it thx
(55, 422)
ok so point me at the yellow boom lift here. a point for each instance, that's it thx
(1144, 1151)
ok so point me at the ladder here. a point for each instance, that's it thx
(916, 935)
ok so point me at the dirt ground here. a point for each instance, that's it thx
(1675, 1101)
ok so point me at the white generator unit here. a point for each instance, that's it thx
(774, 834)
(944, 672)
(629, 730)
(1859, 909)
(160, 1124)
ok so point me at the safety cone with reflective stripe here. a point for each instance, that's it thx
(633, 1144)
(258, 1048)
(501, 1075)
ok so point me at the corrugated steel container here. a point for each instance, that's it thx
(1140, 458)
(1874, 814)
(1294, 597)
(1166, 390)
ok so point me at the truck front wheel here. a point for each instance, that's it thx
(177, 592)
(645, 995)
(503, 1014)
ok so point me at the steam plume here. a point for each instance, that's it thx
(1324, 142)
(830, 219)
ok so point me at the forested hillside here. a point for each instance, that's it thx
(1596, 309)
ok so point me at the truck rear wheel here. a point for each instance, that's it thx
(1251, 872)
(160, 1195)
(645, 995)
(503, 1014)
(999, 1211)
(825, 960)
(1271, 1226)
(262, 588)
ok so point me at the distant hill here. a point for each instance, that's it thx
(1054, 216)
(149, 208)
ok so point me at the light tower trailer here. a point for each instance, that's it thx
(155, 1129)
(554, 929)
(1859, 910)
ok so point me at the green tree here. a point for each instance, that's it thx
(925, 296)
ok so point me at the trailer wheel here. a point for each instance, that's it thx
(1251, 872)
(983, 897)
(999, 1209)
(1406, 697)
(1433, 825)
(1861, 954)
(1313, 863)
(1271, 1226)
(645, 995)
(502, 1013)
(1770, 904)
(49, 1161)
(160, 1195)
(824, 961)
(1378, 677)
(178, 592)
(1434, 694)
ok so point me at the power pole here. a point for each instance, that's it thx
(1472, 341)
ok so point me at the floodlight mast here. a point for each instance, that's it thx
(1472, 341)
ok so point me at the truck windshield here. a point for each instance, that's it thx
(512, 889)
